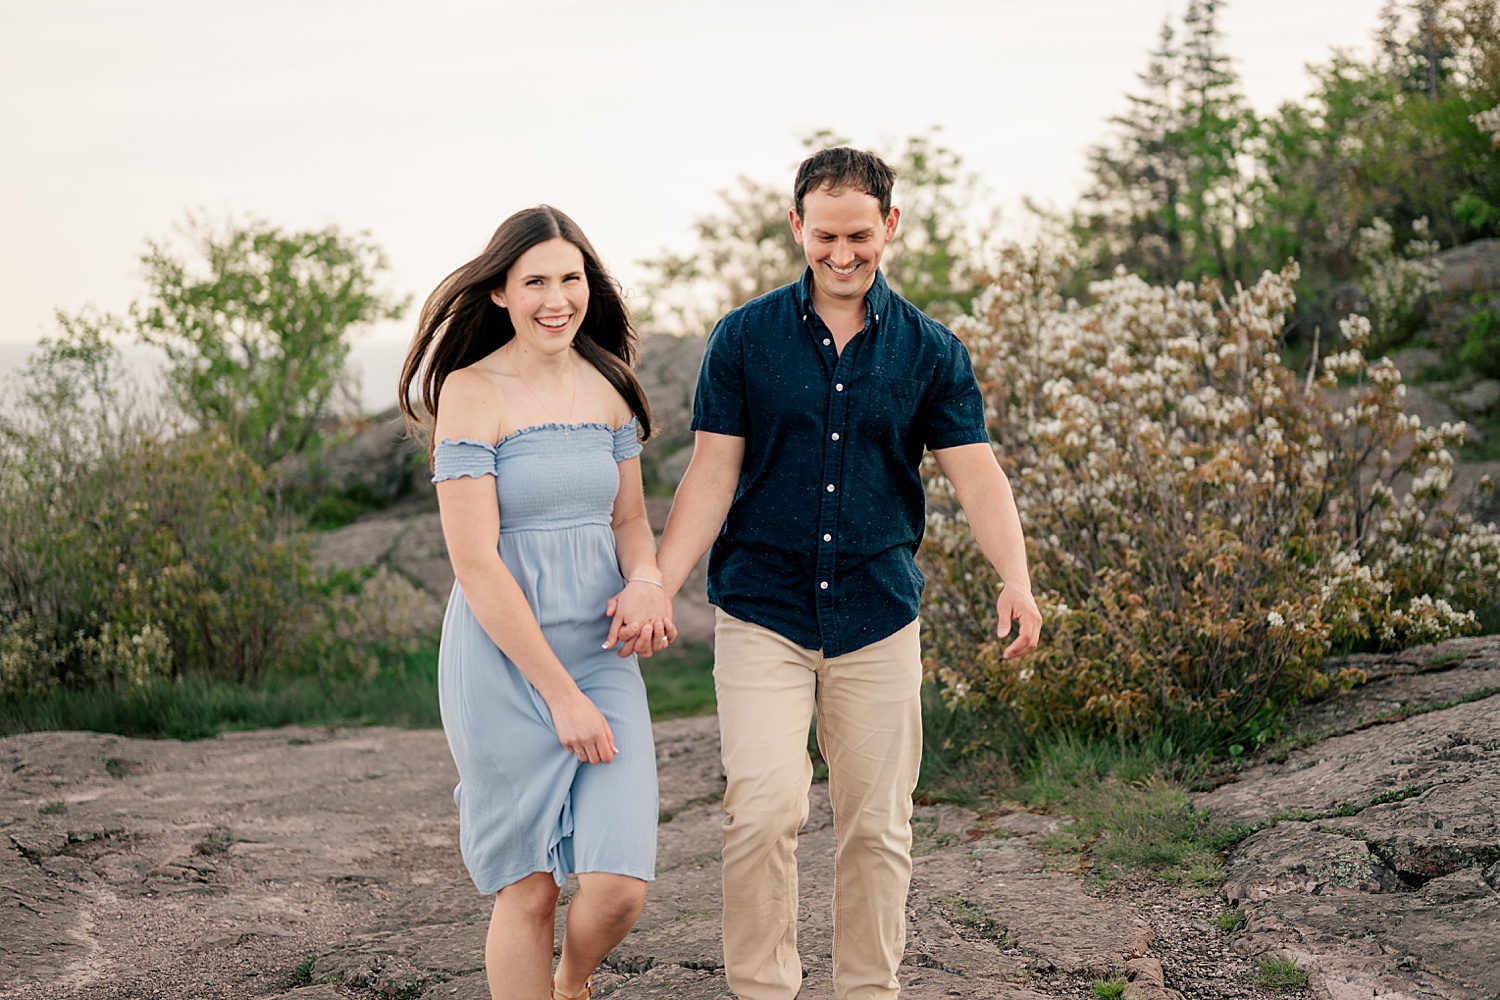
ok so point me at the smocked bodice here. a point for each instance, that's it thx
(547, 477)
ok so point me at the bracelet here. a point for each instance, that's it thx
(642, 579)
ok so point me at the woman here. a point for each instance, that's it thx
(523, 359)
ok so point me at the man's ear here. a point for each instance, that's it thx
(796, 221)
(891, 221)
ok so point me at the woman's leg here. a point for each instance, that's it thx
(600, 914)
(518, 948)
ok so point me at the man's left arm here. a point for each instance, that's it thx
(985, 493)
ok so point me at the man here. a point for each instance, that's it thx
(813, 407)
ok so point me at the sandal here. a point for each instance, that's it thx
(588, 991)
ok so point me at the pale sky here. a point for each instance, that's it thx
(427, 123)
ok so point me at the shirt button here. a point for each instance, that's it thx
(826, 341)
(824, 585)
(827, 538)
(839, 387)
(830, 487)
(835, 435)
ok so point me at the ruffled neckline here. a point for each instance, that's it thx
(551, 425)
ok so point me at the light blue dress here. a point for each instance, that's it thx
(525, 803)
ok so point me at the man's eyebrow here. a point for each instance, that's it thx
(817, 231)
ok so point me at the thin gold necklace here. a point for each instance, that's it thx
(546, 411)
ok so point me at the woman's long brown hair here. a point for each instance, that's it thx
(459, 323)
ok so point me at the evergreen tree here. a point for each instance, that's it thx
(1173, 196)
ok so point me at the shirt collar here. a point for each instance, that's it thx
(876, 298)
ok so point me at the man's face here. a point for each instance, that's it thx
(843, 237)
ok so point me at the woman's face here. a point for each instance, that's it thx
(546, 294)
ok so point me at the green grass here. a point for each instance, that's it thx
(968, 758)
(195, 708)
(1110, 988)
(1130, 807)
(680, 681)
(1229, 920)
(56, 808)
(302, 975)
(1280, 974)
(1128, 801)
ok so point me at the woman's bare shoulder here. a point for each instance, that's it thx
(471, 403)
(607, 396)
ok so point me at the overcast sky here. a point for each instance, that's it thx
(427, 123)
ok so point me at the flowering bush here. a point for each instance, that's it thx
(1203, 525)
(384, 620)
(1396, 285)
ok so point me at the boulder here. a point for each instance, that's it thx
(1480, 398)
(1469, 268)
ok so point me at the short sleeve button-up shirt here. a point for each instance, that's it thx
(820, 541)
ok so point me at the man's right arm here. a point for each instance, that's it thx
(700, 506)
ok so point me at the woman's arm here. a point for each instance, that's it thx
(641, 608)
(469, 408)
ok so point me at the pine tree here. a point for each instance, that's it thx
(1174, 195)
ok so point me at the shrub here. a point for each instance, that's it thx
(1203, 525)
(1481, 328)
(1397, 285)
(126, 554)
(380, 623)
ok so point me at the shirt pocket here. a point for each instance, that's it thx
(885, 408)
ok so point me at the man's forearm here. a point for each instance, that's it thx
(698, 513)
(997, 528)
(700, 507)
(985, 494)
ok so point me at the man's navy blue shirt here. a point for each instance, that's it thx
(820, 542)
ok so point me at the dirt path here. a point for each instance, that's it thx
(314, 864)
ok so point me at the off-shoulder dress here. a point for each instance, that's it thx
(525, 802)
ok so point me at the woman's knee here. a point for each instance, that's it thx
(533, 898)
(613, 898)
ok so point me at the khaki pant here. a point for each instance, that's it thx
(870, 733)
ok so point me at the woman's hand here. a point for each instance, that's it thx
(582, 728)
(642, 619)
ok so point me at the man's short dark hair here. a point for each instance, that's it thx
(841, 168)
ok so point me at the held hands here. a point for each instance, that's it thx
(641, 619)
(582, 728)
(1018, 606)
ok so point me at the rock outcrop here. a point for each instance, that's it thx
(304, 864)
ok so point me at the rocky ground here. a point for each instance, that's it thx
(308, 864)
(305, 864)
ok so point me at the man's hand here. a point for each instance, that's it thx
(1018, 606)
(641, 620)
